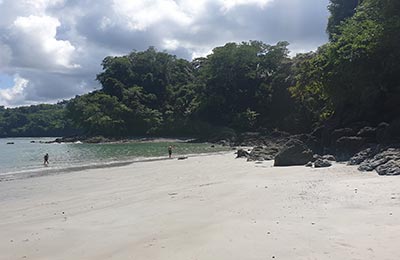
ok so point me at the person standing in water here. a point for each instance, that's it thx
(46, 159)
(170, 151)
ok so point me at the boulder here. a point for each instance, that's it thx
(316, 157)
(346, 147)
(294, 152)
(261, 153)
(360, 157)
(391, 155)
(341, 132)
(329, 157)
(390, 168)
(242, 153)
(320, 163)
(369, 133)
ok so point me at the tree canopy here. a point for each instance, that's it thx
(240, 86)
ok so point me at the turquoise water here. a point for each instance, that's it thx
(25, 159)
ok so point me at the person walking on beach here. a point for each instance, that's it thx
(170, 151)
(46, 159)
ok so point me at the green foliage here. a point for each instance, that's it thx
(240, 87)
(33, 121)
(340, 11)
(241, 83)
(356, 74)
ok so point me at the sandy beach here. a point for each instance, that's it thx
(206, 207)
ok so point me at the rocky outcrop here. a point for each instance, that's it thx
(261, 153)
(242, 153)
(363, 155)
(294, 152)
(390, 168)
(386, 162)
(321, 163)
(346, 147)
(368, 133)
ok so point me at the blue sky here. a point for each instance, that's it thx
(6, 81)
(51, 50)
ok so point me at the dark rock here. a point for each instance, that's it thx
(97, 140)
(294, 152)
(381, 133)
(316, 157)
(182, 158)
(329, 157)
(346, 147)
(389, 155)
(10, 143)
(369, 133)
(370, 165)
(320, 163)
(388, 134)
(261, 153)
(317, 132)
(242, 153)
(342, 132)
(390, 168)
(360, 157)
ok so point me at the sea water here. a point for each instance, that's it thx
(23, 157)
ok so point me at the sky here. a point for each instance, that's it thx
(51, 50)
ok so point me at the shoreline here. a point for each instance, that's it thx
(49, 170)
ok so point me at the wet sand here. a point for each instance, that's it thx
(206, 207)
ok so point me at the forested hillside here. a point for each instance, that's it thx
(34, 121)
(250, 86)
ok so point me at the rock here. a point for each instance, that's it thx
(182, 158)
(10, 143)
(260, 153)
(320, 163)
(329, 157)
(342, 132)
(294, 152)
(369, 133)
(309, 164)
(316, 157)
(242, 153)
(390, 168)
(381, 133)
(360, 157)
(370, 165)
(388, 134)
(346, 147)
(385, 161)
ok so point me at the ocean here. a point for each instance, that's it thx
(24, 157)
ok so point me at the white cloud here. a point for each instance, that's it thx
(229, 4)
(37, 35)
(40, 5)
(15, 95)
(43, 41)
(143, 14)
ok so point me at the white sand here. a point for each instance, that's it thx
(208, 207)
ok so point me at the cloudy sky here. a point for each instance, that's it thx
(51, 50)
